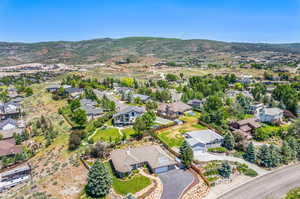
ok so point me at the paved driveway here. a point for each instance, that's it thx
(206, 157)
(175, 182)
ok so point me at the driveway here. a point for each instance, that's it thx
(175, 182)
(163, 121)
(206, 157)
(273, 185)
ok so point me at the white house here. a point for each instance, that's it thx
(271, 115)
(203, 140)
(127, 115)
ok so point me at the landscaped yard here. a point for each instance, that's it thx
(130, 185)
(108, 134)
(171, 140)
(129, 132)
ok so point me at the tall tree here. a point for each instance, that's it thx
(186, 154)
(275, 156)
(99, 180)
(286, 153)
(229, 142)
(264, 156)
(79, 117)
(250, 155)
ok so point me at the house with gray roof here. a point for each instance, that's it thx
(126, 160)
(90, 108)
(143, 98)
(127, 115)
(203, 139)
(271, 115)
(9, 110)
(53, 88)
(9, 127)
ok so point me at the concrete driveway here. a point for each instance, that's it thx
(206, 157)
(175, 182)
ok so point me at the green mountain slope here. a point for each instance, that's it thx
(89, 51)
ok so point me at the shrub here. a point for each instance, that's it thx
(250, 172)
(217, 150)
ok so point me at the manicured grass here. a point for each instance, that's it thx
(170, 141)
(106, 134)
(128, 132)
(199, 126)
(128, 185)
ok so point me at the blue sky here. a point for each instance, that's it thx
(275, 21)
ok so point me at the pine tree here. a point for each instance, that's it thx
(294, 146)
(275, 156)
(264, 156)
(186, 153)
(287, 153)
(225, 170)
(250, 155)
(229, 142)
(99, 180)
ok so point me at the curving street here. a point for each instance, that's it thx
(270, 186)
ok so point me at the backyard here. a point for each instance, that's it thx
(112, 134)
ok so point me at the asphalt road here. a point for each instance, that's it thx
(270, 186)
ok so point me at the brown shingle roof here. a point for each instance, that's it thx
(8, 147)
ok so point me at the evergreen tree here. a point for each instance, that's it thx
(79, 117)
(186, 154)
(250, 155)
(229, 142)
(99, 180)
(287, 153)
(264, 156)
(294, 146)
(225, 170)
(275, 156)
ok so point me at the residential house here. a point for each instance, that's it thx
(10, 110)
(271, 115)
(256, 108)
(9, 127)
(173, 110)
(74, 92)
(245, 127)
(15, 176)
(53, 88)
(127, 115)
(8, 147)
(246, 79)
(153, 156)
(90, 108)
(143, 98)
(202, 140)
(195, 103)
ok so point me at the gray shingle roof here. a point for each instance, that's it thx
(152, 154)
(202, 136)
(128, 109)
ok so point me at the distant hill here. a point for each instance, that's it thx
(90, 51)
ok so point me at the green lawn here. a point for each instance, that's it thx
(170, 141)
(106, 134)
(128, 132)
(199, 126)
(132, 185)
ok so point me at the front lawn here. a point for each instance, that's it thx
(132, 184)
(108, 134)
(293, 194)
(166, 137)
(129, 132)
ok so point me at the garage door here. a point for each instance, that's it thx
(161, 170)
(198, 148)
